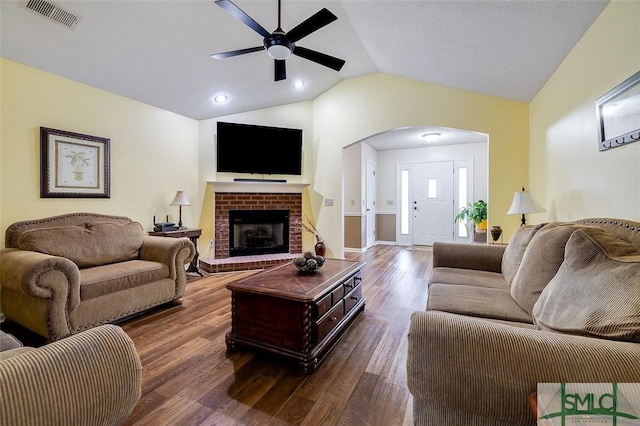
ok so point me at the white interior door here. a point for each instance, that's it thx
(433, 202)
(370, 204)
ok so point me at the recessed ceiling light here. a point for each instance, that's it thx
(431, 137)
(221, 98)
(299, 84)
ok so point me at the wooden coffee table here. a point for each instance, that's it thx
(297, 316)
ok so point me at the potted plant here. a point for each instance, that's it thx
(476, 213)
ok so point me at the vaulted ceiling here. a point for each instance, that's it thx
(158, 52)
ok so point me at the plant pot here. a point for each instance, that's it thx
(496, 232)
(482, 226)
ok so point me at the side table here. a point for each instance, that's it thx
(193, 234)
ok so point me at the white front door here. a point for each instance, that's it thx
(370, 204)
(432, 205)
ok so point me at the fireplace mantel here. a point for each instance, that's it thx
(259, 187)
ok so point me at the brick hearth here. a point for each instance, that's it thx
(225, 201)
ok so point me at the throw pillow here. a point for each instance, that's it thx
(514, 251)
(542, 258)
(91, 244)
(596, 291)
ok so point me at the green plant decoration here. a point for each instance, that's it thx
(476, 212)
(78, 162)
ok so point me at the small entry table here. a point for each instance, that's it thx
(193, 234)
(297, 316)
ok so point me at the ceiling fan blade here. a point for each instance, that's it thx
(314, 23)
(233, 53)
(239, 14)
(280, 70)
(320, 58)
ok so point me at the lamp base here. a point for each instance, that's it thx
(523, 222)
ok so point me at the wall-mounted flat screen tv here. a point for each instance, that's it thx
(245, 148)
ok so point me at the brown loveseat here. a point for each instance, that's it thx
(92, 378)
(64, 274)
(559, 304)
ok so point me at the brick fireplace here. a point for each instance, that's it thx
(226, 202)
(230, 196)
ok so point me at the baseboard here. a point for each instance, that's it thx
(355, 250)
(386, 243)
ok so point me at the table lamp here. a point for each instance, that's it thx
(180, 200)
(522, 204)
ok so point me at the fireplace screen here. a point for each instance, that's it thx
(254, 232)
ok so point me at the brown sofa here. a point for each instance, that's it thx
(92, 378)
(64, 274)
(560, 303)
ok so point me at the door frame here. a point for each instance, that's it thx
(406, 239)
(370, 204)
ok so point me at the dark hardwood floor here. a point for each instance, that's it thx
(189, 378)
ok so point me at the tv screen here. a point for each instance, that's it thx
(244, 148)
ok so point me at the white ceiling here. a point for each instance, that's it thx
(157, 52)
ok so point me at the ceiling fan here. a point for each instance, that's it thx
(281, 45)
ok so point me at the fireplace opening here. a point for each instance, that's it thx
(255, 232)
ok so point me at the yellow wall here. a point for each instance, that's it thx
(568, 175)
(153, 151)
(297, 115)
(360, 107)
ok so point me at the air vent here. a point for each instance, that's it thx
(53, 12)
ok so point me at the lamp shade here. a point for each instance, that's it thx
(180, 199)
(523, 203)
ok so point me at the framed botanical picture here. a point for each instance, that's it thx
(618, 113)
(73, 165)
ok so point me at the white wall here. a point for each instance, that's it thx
(388, 159)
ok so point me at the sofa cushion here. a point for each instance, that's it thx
(8, 341)
(514, 251)
(542, 258)
(596, 291)
(91, 244)
(107, 279)
(476, 301)
(443, 275)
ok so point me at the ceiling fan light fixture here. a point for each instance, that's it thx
(278, 46)
(279, 52)
(431, 137)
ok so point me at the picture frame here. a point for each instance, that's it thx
(73, 165)
(618, 113)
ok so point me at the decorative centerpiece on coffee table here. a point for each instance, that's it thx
(320, 247)
(308, 263)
